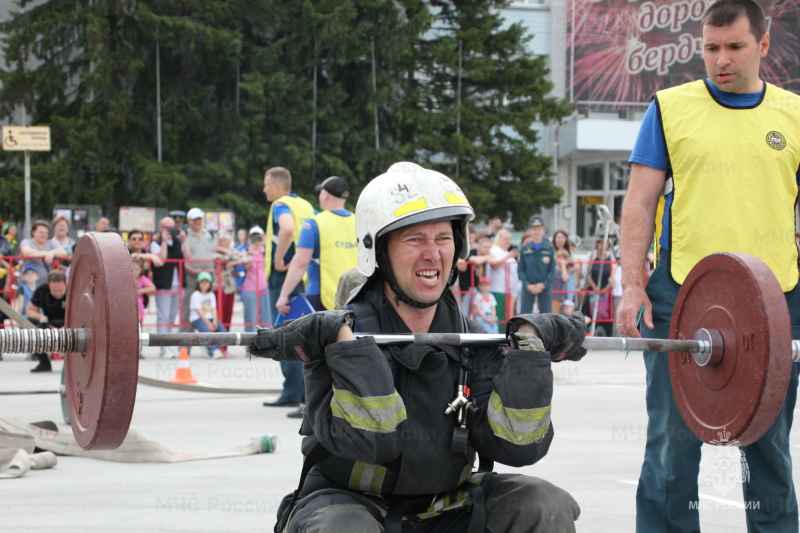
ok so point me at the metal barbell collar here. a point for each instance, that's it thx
(706, 346)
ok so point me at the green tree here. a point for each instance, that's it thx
(246, 85)
(72, 69)
(488, 139)
(92, 67)
(314, 83)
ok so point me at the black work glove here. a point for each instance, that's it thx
(562, 336)
(303, 339)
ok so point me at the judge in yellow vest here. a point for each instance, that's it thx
(326, 249)
(286, 216)
(721, 156)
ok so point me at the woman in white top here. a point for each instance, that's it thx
(500, 273)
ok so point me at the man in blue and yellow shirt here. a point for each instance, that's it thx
(720, 156)
(287, 214)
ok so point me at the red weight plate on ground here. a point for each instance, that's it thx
(735, 402)
(101, 383)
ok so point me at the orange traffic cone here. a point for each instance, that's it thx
(184, 373)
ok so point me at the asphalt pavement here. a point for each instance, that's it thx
(598, 415)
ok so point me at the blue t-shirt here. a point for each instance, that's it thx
(27, 294)
(278, 209)
(651, 148)
(309, 238)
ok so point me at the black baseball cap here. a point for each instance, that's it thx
(336, 186)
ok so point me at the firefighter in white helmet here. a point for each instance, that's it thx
(393, 432)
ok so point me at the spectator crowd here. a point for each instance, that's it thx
(265, 270)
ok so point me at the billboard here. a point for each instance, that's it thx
(623, 51)
(140, 218)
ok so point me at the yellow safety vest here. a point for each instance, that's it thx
(338, 252)
(734, 174)
(657, 233)
(301, 210)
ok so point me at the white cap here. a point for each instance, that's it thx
(194, 213)
(256, 229)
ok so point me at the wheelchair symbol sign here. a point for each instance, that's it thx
(19, 138)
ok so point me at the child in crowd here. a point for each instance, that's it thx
(486, 306)
(29, 280)
(203, 315)
(563, 285)
(568, 306)
(143, 285)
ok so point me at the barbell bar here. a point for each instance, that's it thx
(74, 341)
(730, 345)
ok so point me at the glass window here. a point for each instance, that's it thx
(617, 212)
(619, 174)
(587, 215)
(590, 177)
(537, 22)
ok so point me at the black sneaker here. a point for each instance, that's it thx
(282, 402)
(298, 413)
(42, 368)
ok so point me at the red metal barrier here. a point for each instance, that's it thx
(14, 277)
(580, 295)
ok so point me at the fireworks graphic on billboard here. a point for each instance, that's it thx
(625, 50)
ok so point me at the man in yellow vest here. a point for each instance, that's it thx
(723, 153)
(287, 214)
(327, 248)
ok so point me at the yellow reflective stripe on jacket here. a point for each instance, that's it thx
(520, 426)
(367, 477)
(465, 474)
(379, 414)
(453, 499)
(301, 210)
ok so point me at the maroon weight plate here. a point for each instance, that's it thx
(101, 383)
(736, 401)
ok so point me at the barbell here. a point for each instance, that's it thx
(730, 345)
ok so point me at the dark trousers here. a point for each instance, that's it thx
(514, 504)
(527, 299)
(293, 383)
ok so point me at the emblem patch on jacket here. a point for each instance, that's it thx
(776, 140)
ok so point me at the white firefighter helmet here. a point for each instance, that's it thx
(407, 195)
